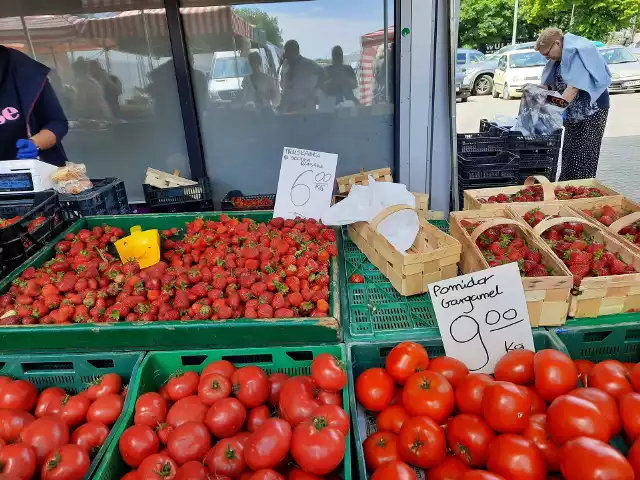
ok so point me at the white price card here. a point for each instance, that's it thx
(305, 184)
(482, 316)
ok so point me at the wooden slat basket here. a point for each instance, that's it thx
(362, 178)
(547, 298)
(434, 255)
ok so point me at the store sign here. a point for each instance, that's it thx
(482, 316)
(306, 183)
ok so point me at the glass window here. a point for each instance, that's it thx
(461, 58)
(114, 77)
(502, 63)
(529, 59)
(476, 57)
(617, 55)
(317, 75)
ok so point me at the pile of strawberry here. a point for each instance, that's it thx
(502, 244)
(33, 224)
(534, 194)
(607, 215)
(578, 250)
(230, 422)
(219, 270)
(53, 434)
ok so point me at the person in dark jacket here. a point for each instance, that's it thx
(32, 122)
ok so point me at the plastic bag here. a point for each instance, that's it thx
(71, 179)
(540, 111)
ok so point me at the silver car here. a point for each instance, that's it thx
(625, 69)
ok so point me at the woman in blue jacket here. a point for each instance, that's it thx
(32, 122)
(577, 70)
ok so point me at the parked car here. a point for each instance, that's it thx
(636, 52)
(479, 76)
(463, 92)
(464, 56)
(515, 69)
(625, 69)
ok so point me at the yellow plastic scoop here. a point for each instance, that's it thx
(142, 247)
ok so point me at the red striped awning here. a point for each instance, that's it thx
(43, 29)
(370, 43)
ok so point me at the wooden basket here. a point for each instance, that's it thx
(422, 205)
(604, 295)
(160, 179)
(362, 178)
(547, 298)
(472, 197)
(434, 255)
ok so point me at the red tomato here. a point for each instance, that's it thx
(266, 474)
(250, 386)
(469, 437)
(405, 359)
(18, 461)
(298, 474)
(136, 443)
(570, 417)
(106, 409)
(633, 457)
(226, 417)
(44, 435)
(182, 384)
(356, 278)
(515, 367)
(49, 401)
(151, 409)
(226, 458)
(375, 389)
(470, 391)
(12, 422)
(480, 475)
(634, 377)
(68, 462)
(317, 447)
(109, 383)
(276, 382)
(297, 402)
(421, 442)
(506, 407)
(158, 466)
(328, 372)
(583, 367)
(630, 414)
(611, 377)
(74, 409)
(538, 405)
(380, 448)
(332, 416)
(450, 469)
(513, 456)
(189, 441)
(428, 393)
(19, 394)
(192, 471)
(395, 471)
(391, 418)
(536, 432)
(450, 368)
(607, 406)
(268, 446)
(221, 367)
(90, 436)
(212, 388)
(590, 459)
(555, 374)
(187, 409)
(257, 416)
(328, 398)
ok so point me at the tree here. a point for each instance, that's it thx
(264, 21)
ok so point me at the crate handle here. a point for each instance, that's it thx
(249, 358)
(192, 360)
(44, 367)
(552, 222)
(484, 226)
(548, 193)
(624, 222)
(102, 363)
(375, 221)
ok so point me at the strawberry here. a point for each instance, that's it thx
(283, 313)
(278, 301)
(607, 211)
(580, 270)
(617, 267)
(605, 220)
(265, 311)
(538, 271)
(514, 255)
(533, 255)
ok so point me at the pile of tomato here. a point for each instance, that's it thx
(240, 423)
(529, 421)
(54, 435)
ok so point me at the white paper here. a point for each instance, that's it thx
(305, 184)
(482, 316)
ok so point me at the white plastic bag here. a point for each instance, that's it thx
(71, 179)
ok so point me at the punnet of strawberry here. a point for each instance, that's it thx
(33, 224)
(504, 244)
(534, 193)
(217, 270)
(607, 214)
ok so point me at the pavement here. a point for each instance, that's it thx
(619, 165)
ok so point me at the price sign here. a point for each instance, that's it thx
(305, 184)
(482, 316)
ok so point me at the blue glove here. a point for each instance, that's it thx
(26, 149)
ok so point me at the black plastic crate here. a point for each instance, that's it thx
(179, 199)
(492, 128)
(502, 165)
(23, 239)
(235, 201)
(107, 197)
(535, 144)
(481, 143)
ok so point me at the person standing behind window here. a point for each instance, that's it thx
(301, 78)
(340, 79)
(90, 102)
(259, 88)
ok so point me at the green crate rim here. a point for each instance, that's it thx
(126, 419)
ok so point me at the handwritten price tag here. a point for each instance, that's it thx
(305, 184)
(482, 316)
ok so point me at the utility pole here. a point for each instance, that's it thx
(515, 24)
(573, 9)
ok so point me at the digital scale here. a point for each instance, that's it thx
(25, 176)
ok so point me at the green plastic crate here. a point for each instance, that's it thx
(165, 335)
(596, 339)
(376, 311)
(73, 372)
(158, 366)
(361, 356)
